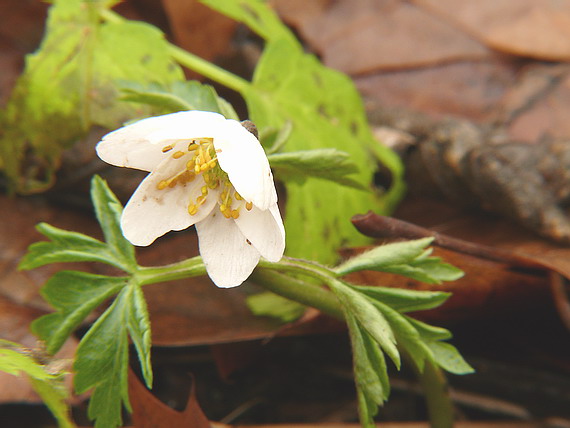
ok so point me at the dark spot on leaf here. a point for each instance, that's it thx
(146, 59)
(354, 128)
(250, 11)
(318, 80)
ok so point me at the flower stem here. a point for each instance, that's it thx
(299, 291)
(193, 62)
(184, 269)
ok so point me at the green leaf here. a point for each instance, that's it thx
(74, 294)
(65, 246)
(328, 164)
(443, 354)
(370, 371)
(13, 360)
(101, 363)
(53, 396)
(325, 111)
(70, 84)
(108, 210)
(369, 317)
(139, 330)
(272, 305)
(404, 300)
(189, 95)
(448, 357)
(380, 257)
(273, 139)
(256, 15)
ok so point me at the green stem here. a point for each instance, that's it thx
(436, 391)
(193, 62)
(299, 291)
(184, 269)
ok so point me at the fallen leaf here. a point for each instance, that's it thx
(150, 412)
(370, 36)
(466, 89)
(529, 28)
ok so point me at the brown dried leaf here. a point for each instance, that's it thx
(369, 35)
(530, 28)
(150, 412)
(467, 89)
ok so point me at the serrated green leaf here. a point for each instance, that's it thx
(189, 95)
(101, 363)
(74, 294)
(69, 84)
(404, 300)
(448, 357)
(369, 317)
(379, 258)
(272, 305)
(139, 330)
(328, 164)
(407, 336)
(443, 354)
(108, 210)
(370, 371)
(65, 246)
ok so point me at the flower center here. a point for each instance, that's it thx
(203, 162)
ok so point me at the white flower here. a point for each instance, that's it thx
(204, 170)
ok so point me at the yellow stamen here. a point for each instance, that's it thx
(227, 213)
(238, 196)
(192, 209)
(162, 185)
(178, 155)
(223, 207)
(235, 214)
(248, 206)
(167, 148)
(204, 190)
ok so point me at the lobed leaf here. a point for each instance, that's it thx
(108, 210)
(378, 258)
(139, 330)
(74, 294)
(328, 164)
(403, 300)
(101, 363)
(189, 95)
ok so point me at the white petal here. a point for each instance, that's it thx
(192, 124)
(150, 213)
(265, 231)
(241, 156)
(139, 145)
(229, 259)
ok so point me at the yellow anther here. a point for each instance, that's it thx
(224, 195)
(192, 146)
(201, 199)
(167, 148)
(235, 214)
(190, 165)
(213, 184)
(248, 206)
(178, 155)
(223, 207)
(204, 167)
(227, 213)
(197, 168)
(212, 163)
(162, 185)
(192, 209)
(238, 196)
(204, 190)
